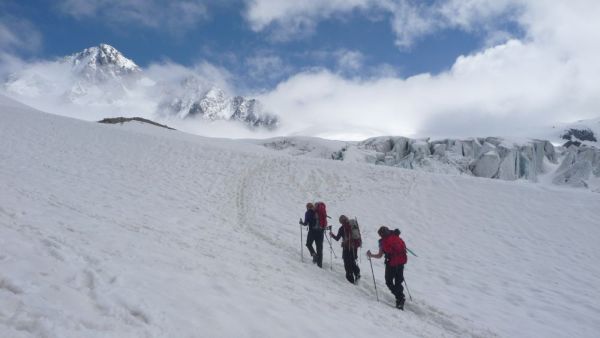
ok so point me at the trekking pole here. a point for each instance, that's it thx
(301, 251)
(331, 247)
(375, 284)
(330, 254)
(407, 291)
(357, 249)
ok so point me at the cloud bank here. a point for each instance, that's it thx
(547, 74)
(409, 19)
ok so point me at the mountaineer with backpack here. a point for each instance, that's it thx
(315, 234)
(394, 249)
(351, 241)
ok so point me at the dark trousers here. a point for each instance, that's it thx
(316, 236)
(349, 256)
(394, 276)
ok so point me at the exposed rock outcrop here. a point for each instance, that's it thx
(121, 120)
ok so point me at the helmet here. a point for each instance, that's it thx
(343, 219)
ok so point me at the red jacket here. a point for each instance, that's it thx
(394, 246)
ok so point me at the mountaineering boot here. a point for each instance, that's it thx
(356, 278)
(400, 304)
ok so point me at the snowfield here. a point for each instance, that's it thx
(138, 231)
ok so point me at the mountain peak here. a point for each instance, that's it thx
(103, 56)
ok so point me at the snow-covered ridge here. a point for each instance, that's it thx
(101, 80)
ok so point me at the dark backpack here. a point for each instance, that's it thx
(321, 211)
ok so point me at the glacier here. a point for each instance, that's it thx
(134, 230)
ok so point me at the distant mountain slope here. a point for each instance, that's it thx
(102, 79)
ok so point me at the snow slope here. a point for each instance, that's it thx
(139, 231)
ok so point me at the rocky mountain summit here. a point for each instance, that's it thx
(213, 104)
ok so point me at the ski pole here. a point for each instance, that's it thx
(407, 291)
(375, 284)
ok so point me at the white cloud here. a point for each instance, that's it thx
(18, 35)
(295, 18)
(266, 67)
(549, 76)
(470, 14)
(174, 16)
(9, 64)
(349, 60)
(410, 20)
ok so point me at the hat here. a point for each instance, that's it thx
(383, 230)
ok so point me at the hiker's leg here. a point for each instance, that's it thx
(319, 243)
(390, 275)
(310, 238)
(394, 279)
(348, 262)
(356, 269)
(399, 278)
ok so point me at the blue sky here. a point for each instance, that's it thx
(222, 35)
(346, 68)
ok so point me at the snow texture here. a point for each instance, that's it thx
(138, 231)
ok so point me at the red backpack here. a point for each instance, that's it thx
(396, 249)
(321, 211)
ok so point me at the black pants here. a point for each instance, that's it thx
(349, 256)
(394, 276)
(316, 236)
